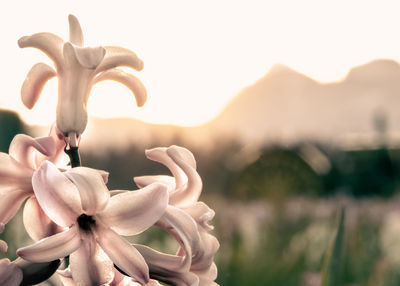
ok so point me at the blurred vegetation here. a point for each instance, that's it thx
(275, 208)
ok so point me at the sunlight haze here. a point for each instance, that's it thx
(198, 55)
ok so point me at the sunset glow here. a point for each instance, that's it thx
(198, 55)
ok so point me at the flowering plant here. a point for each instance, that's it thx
(78, 225)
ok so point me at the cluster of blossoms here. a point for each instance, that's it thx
(78, 225)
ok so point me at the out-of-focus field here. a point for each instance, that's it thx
(276, 209)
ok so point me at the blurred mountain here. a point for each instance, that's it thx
(286, 106)
(282, 107)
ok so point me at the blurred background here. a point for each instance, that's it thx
(290, 109)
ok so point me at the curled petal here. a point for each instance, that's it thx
(208, 275)
(124, 255)
(10, 274)
(192, 191)
(204, 258)
(184, 154)
(75, 31)
(57, 195)
(177, 279)
(158, 261)
(36, 222)
(132, 212)
(117, 56)
(90, 265)
(129, 80)
(22, 148)
(184, 229)
(89, 57)
(143, 181)
(34, 82)
(48, 43)
(201, 213)
(53, 247)
(160, 155)
(92, 189)
(10, 201)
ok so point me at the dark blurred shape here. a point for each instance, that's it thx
(10, 125)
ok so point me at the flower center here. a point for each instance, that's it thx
(85, 222)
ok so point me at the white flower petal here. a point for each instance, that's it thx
(53, 247)
(34, 82)
(132, 212)
(129, 80)
(90, 265)
(10, 274)
(57, 195)
(48, 43)
(92, 189)
(22, 148)
(183, 153)
(75, 31)
(117, 56)
(36, 222)
(10, 201)
(124, 255)
(204, 258)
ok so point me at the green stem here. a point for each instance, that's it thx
(74, 157)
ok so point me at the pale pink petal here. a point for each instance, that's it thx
(132, 212)
(13, 173)
(184, 229)
(10, 274)
(90, 265)
(207, 275)
(129, 80)
(22, 148)
(117, 56)
(160, 155)
(10, 201)
(75, 31)
(53, 247)
(201, 213)
(89, 57)
(65, 276)
(158, 260)
(57, 195)
(36, 222)
(59, 145)
(144, 181)
(194, 185)
(123, 254)
(183, 153)
(92, 189)
(204, 258)
(34, 82)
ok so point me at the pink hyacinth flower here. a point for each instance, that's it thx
(79, 201)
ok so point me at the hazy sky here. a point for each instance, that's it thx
(198, 54)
